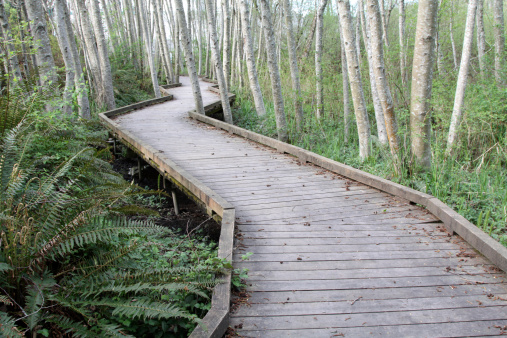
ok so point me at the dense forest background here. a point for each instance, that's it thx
(413, 91)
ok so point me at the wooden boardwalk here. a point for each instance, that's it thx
(331, 257)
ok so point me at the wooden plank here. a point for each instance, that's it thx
(368, 306)
(418, 228)
(373, 294)
(359, 264)
(457, 329)
(315, 274)
(372, 319)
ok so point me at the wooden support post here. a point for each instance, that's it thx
(139, 167)
(114, 147)
(175, 202)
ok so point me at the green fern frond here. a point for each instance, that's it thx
(8, 326)
(78, 329)
(142, 287)
(5, 300)
(144, 308)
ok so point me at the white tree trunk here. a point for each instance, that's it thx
(274, 71)
(105, 66)
(43, 55)
(149, 48)
(453, 43)
(481, 37)
(189, 56)
(459, 99)
(318, 58)
(227, 42)
(222, 85)
(63, 41)
(384, 93)
(345, 84)
(499, 40)
(403, 66)
(377, 106)
(422, 76)
(159, 21)
(356, 85)
(250, 60)
(12, 58)
(294, 70)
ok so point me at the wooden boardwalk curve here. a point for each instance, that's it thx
(331, 257)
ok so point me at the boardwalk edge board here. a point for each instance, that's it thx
(454, 222)
(216, 321)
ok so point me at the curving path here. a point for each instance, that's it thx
(331, 257)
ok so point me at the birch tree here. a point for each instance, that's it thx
(187, 49)
(422, 77)
(481, 37)
(250, 60)
(459, 99)
(377, 106)
(318, 58)
(403, 66)
(11, 54)
(383, 90)
(294, 70)
(345, 86)
(274, 72)
(499, 40)
(356, 85)
(222, 85)
(105, 65)
(164, 48)
(146, 30)
(43, 53)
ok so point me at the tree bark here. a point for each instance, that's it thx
(499, 41)
(43, 55)
(459, 99)
(63, 41)
(250, 60)
(422, 77)
(383, 90)
(187, 49)
(227, 43)
(318, 58)
(403, 60)
(274, 71)
(384, 23)
(356, 85)
(11, 53)
(453, 43)
(149, 48)
(159, 21)
(481, 37)
(377, 106)
(222, 84)
(309, 40)
(294, 70)
(105, 66)
(345, 84)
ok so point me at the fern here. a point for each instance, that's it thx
(78, 329)
(143, 308)
(8, 326)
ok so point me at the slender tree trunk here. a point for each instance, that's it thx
(11, 53)
(63, 41)
(422, 77)
(499, 40)
(309, 40)
(112, 34)
(403, 66)
(318, 58)
(345, 84)
(384, 23)
(149, 48)
(274, 71)
(222, 85)
(459, 99)
(356, 85)
(294, 70)
(481, 37)
(383, 90)
(43, 55)
(227, 42)
(105, 66)
(377, 106)
(453, 44)
(250, 60)
(159, 21)
(187, 49)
